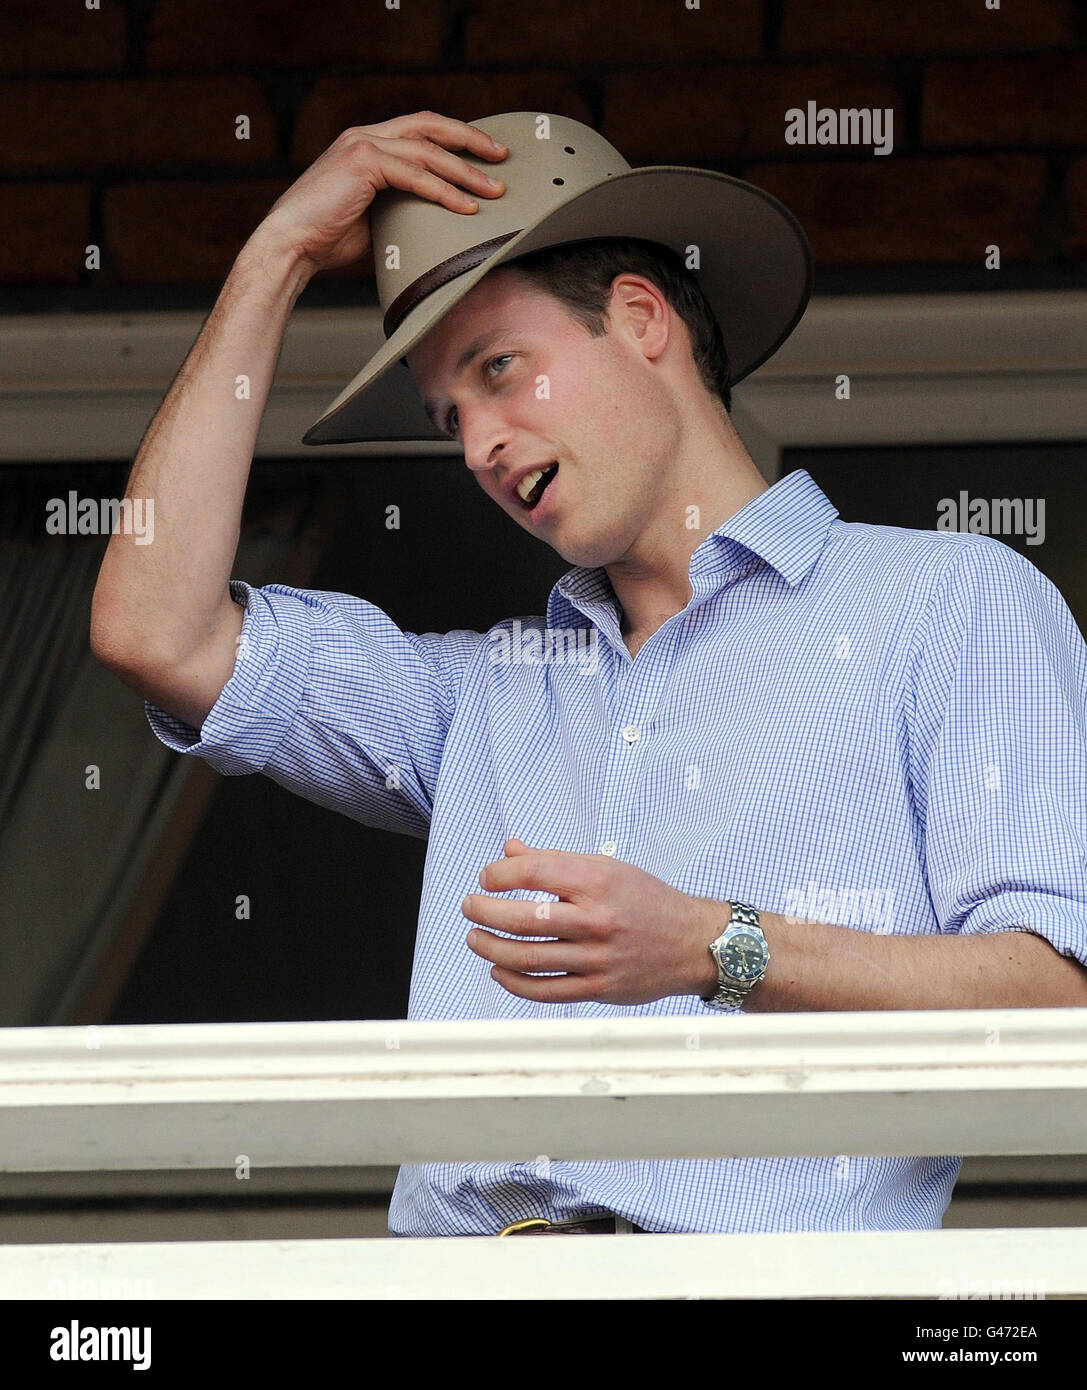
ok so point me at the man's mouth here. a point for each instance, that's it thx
(533, 485)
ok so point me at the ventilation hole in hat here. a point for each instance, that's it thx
(568, 148)
(558, 180)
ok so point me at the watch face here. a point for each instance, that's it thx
(744, 955)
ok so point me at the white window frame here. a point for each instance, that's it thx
(924, 369)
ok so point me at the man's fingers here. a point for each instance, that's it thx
(548, 989)
(398, 172)
(533, 957)
(523, 917)
(457, 135)
(450, 166)
(443, 130)
(577, 877)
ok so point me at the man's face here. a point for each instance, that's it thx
(541, 389)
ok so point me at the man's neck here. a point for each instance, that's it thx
(653, 584)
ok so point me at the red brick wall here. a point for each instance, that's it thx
(119, 123)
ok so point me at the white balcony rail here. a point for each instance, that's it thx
(317, 1094)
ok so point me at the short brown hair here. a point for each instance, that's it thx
(580, 274)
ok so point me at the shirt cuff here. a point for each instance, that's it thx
(260, 702)
(1061, 920)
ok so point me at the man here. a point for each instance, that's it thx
(752, 757)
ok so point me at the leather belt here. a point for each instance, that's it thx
(575, 1225)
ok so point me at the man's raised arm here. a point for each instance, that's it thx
(162, 618)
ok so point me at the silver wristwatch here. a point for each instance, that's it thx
(742, 956)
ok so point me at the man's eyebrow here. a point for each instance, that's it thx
(472, 351)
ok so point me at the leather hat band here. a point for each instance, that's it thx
(444, 271)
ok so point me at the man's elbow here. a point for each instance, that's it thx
(118, 645)
(112, 642)
(1078, 982)
(1064, 983)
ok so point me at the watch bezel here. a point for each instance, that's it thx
(727, 937)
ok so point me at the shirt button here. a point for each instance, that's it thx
(609, 848)
(631, 733)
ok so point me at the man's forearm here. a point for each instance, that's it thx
(818, 966)
(194, 462)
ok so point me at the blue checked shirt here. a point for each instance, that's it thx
(877, 727)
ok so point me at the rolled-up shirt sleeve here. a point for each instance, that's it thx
(999, 751)
(331, 699)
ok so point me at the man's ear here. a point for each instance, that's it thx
(645, 304)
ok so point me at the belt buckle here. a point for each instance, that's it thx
(516, 1226)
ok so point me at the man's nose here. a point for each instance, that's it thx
(483, 438)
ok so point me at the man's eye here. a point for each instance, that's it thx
(450, 426)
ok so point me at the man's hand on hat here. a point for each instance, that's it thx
(323, 218)
(624, 936)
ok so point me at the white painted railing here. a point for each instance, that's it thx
(318, 1094)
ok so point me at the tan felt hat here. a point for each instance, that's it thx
(565, 182)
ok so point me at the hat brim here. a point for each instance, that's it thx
(754, 266)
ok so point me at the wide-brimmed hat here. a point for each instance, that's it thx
(564, 183)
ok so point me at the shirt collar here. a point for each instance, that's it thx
(784, 527)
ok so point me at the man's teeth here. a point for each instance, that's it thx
(529, 481)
